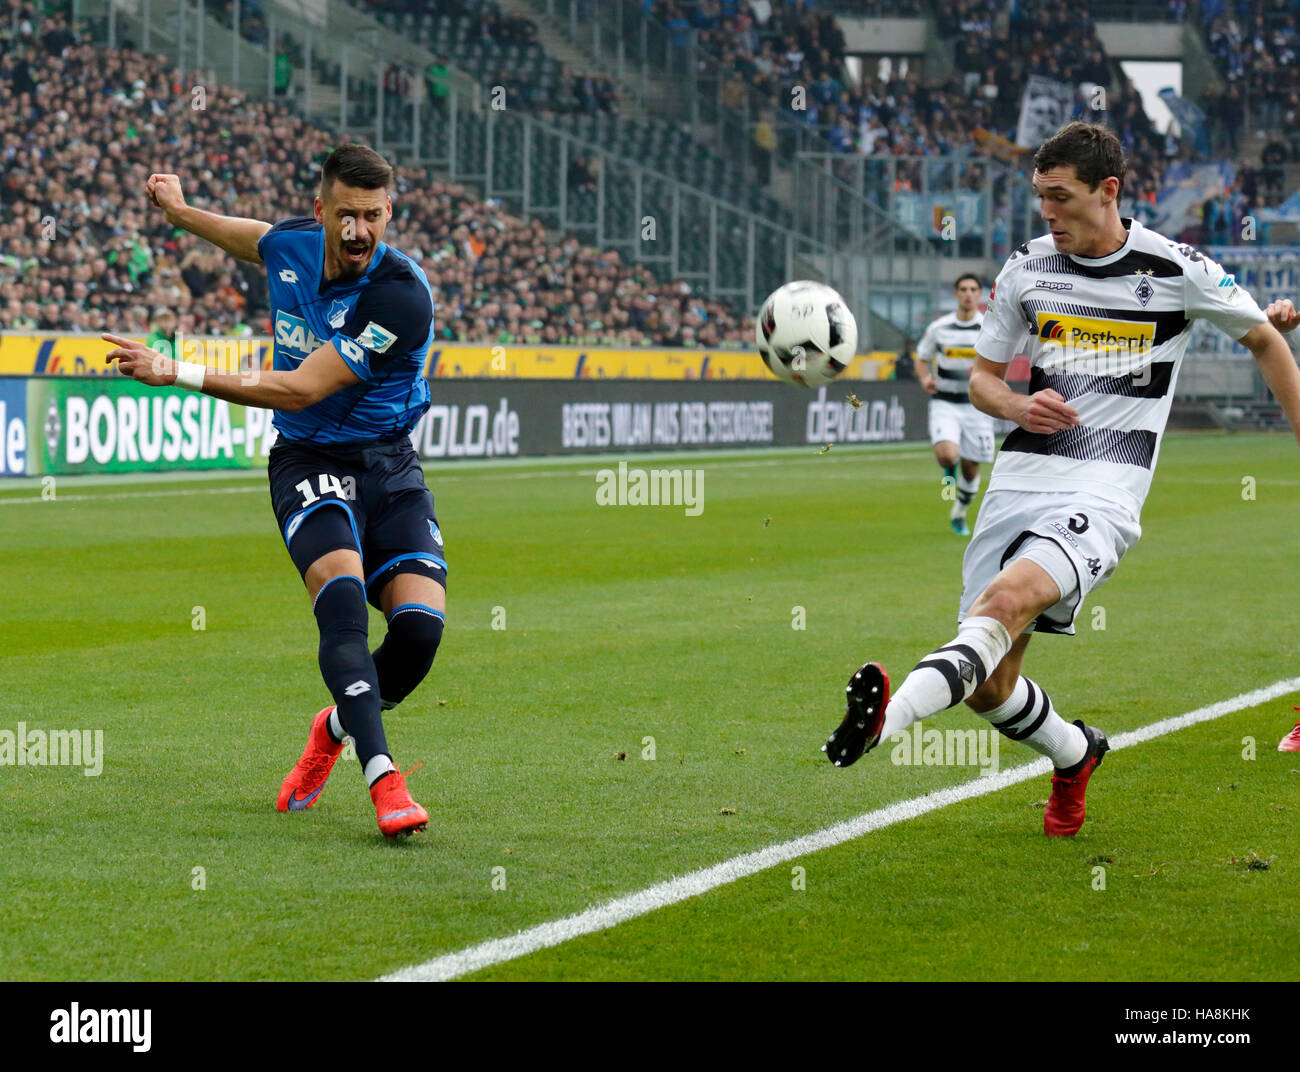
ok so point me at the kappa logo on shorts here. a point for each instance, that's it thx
(1066, 533)
(1079, 523)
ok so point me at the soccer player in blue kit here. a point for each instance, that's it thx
(352, 319)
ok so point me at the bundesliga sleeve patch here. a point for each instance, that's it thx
(376, 339)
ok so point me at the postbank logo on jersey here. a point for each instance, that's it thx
(962, 353)
(1070, 339)
(293, 337)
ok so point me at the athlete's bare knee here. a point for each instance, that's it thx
(1017, 595)
(1003, 603)
(328, 567)
(946, 453)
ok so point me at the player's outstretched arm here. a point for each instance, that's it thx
(321, 373)
(1042, 412)
(1278, 368)
(236, 235)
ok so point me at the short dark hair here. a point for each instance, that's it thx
(1092, 149)
(968, 275)
(355, 165)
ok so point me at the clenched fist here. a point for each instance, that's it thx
(165, 192)
(1283, 315)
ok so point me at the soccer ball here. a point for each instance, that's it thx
(805, 333)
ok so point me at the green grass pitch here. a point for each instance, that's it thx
(622, 624)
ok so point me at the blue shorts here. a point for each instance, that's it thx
(379, 489)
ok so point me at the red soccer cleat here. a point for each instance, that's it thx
(1064, 814)
(302, 788)
(1291, 742)
(396, 811)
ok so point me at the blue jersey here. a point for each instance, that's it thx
(381, 325)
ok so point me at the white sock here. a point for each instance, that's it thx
(947, 676)
(1028, 715)
(966, 490)
(377, 767)
(336, 727)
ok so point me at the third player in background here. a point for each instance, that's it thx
(958, 431)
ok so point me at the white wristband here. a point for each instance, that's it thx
(190, 376)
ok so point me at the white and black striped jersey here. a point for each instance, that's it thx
(1108, 334)
(952, 342)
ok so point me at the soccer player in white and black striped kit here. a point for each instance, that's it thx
(958, 431)
(1103, 309)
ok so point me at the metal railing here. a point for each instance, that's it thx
(672, 77)
(650, 218)
(677, 229)
(974, 206)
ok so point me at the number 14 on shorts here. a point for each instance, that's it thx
(329, 484)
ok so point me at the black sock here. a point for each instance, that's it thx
(346, 665)
(403, 660)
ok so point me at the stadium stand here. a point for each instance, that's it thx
(90, 256)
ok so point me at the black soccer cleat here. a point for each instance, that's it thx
(867, 695)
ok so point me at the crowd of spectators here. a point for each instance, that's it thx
(82, 127)
(778, 52)
(1256, 45)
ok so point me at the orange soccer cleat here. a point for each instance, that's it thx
(1291, 742)
(1065, 811)
(396, 811)
(302, 788)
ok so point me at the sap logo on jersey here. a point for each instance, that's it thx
(292, 333)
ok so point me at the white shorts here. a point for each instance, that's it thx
(1076, 537)
(963, 424)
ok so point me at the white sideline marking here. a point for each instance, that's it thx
(611, 913)
(437, 479)
(167, 494)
